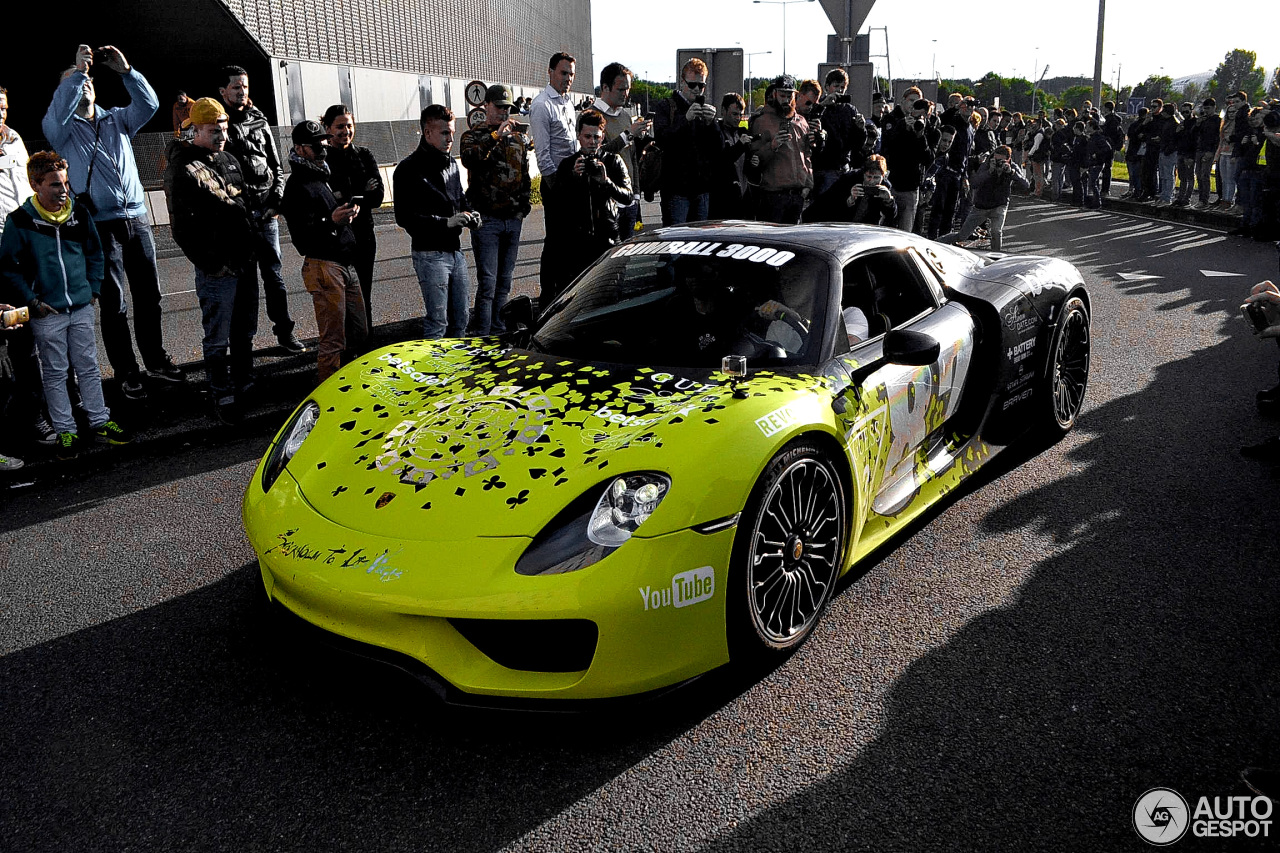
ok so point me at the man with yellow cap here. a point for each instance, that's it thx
(205, 187)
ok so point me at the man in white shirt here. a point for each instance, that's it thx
(623, 132)
(551, 119)
(14, 186)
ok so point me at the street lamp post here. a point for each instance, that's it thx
(784, 4)
(751, 105)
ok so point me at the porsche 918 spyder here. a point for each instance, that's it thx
(670, 467)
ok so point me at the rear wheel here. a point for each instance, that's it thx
(787, 555)
(1067, 372)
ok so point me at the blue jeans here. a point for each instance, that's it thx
(444, 282)
(977, 216)
(907, 201)
(627, 218)
(67, 342)
(679, 209)
(129, 250)
(229, 315)
(1227, 178)
(1249, 196)
(1168, 166)
(266, 248)
(496, 244)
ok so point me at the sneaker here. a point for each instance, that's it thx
(44, 432)
(112, 433)
(291, 343)
(1233, 209)
(167, 371)
(1128, 194)
(131, 387)
(8, 463)
(1268, 451)
(226, 412)
(68, 445)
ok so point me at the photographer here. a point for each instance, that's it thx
(991, 186)
(783, 154)
(846, 132)
(684, 127)
(1208, 127)
(906, 153)
(864, 196)
(1249, 140)
(592, 186)
(728, 184)
(430, 205)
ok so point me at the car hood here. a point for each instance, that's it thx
(441, 440)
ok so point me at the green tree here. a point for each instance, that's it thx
(1273, 88)
(1076, 96)
(949, 86)
(1155, 86)
(646, 93)
(1238, 73)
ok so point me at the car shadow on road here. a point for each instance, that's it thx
(196, 724)
(1141, 652)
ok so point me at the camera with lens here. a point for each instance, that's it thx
(591, 164)
(917, 126)
(1255, 316)
(816, 111)
(843, 99)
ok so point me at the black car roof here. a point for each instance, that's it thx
(838, 239)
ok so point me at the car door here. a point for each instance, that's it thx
(895, 290)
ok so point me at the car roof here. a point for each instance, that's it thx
(838, 239)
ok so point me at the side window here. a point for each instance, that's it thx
(882, 291)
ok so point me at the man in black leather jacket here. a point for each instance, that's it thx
(249, 139)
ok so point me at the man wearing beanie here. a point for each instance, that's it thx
(321, 231)
(205, 188)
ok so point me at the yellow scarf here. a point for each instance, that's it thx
(58, 216)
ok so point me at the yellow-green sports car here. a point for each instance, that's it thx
(670, 467)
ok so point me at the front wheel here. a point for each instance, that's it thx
(1067, 370)
(787, 557)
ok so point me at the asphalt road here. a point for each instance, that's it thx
(1085, 624)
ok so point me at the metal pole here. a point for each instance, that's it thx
(784, 39)
(1097, 56)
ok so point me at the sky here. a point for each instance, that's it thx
(928, 34)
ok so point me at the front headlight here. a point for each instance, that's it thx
(590, 528)
(624, 506)
(304, 420)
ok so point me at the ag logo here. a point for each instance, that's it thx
(1160, 816)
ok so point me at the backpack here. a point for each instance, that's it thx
(650, 165)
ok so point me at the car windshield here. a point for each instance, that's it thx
(649, 304)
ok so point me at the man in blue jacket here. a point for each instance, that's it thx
(51, 260)
(96, 143)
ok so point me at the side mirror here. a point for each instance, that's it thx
(903, 346)
(517, 314)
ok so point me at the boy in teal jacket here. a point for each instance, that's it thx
(51, 260)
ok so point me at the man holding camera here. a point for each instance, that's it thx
(594, 184)
(783, 154)
(863, 196)
(990, 186)
(625, 134)
(906, 151)
(96, 143)
(322, 234)
(431, 206)
(684, 127)
(499, 187)
(846, 132)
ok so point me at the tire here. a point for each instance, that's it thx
(787, 555)
(1066, 371)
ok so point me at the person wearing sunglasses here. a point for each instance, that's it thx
(684, 128)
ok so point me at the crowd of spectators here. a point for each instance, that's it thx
(943, 170)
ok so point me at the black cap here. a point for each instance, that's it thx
(309, 132)
(784, 81)
(499, 96)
